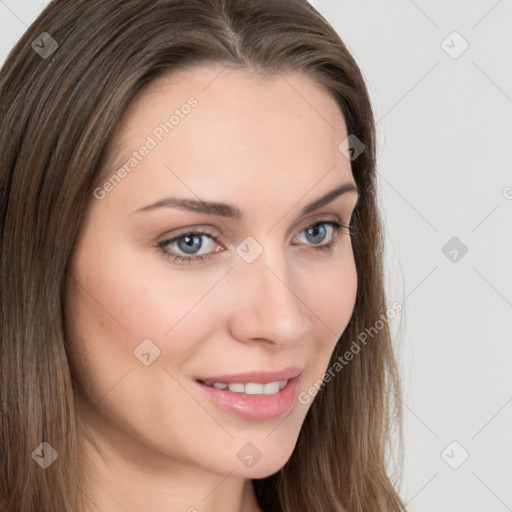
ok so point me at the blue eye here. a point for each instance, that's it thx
(317, 233)
(186, 247)
(189, 244)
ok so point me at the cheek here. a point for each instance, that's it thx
(331, 293)
(117, 301)
(123, 297)
(133, 294)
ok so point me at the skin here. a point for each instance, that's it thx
(152, 440)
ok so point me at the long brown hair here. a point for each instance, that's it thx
(58, 112)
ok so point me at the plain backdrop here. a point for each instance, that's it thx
(440, 78)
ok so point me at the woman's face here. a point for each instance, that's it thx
(171, 288)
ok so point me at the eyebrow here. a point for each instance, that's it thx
(229, 211)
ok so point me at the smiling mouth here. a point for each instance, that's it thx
(253, 395)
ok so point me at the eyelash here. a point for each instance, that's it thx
(179, 258)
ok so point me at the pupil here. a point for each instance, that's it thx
(191, 243)
(318, 233)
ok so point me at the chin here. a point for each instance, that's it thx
(263, 462)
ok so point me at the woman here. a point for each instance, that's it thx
(193, 307)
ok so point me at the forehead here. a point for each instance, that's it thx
(243, 134)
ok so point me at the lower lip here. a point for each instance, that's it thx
(254, 407)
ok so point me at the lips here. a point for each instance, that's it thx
(256, 395)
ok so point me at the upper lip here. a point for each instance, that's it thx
(261, 377)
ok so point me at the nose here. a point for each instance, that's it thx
(269, 302)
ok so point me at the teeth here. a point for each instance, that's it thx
(282, 383)
(250, 388)
(236, 387)
(271, 388)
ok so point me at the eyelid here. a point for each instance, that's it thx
(318, 218)
(167, 237)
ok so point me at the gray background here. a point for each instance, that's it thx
(445, 170)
